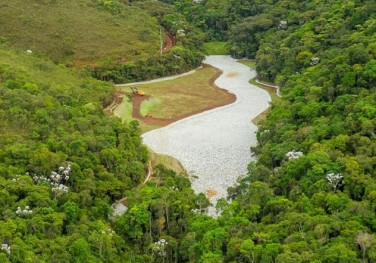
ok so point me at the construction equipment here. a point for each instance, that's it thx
(135, 91)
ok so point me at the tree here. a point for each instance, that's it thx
(335, 180)
(339, 253)
(80, 251)
(365, 241)
(247, 250)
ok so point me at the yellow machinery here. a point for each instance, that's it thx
(135, 91)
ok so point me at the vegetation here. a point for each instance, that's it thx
(79, 32)
(215, 48)
(114, 40)
(52, 119)
(184, 56)
(310, 197)
(167, 161)
(178, 60)
(174, 98)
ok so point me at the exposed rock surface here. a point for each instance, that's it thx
(215, 145)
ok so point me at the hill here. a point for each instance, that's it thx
(310, 197)
(79, 32)
(63, 161)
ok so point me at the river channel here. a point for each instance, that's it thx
(214, 146)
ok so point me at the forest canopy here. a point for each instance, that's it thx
(310, 197)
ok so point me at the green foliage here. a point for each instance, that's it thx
(285, 209)
(184, 56)
(178, 60)
(47, 124)
(215, 48)
(161, 209)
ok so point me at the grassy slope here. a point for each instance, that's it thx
(80, 31)
(215, 48)
(124, 110)
(56, 80)
(46, 75)
(168, 161)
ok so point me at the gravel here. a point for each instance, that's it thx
(215, 145)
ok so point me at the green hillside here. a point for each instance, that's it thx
(309, 198)
(52, 117)
(80, 32)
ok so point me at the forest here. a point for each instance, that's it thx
(309, 197)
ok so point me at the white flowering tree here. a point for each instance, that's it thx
(159, 248)
(282, 24)
(335, 180)
(314, 61)
(57, 180)
(5, 248)
(292, 155)
(25, 211)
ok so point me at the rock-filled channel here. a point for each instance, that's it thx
(215, 145)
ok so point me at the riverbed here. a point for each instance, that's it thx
(214, 146)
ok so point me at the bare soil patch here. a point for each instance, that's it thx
(148, 119)
(170, 42)
(210, 193)
(118, 99)
(159, 122)
(232, 74)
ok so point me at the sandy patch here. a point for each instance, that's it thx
(232, 74)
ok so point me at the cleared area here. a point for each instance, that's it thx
(167, 100)
(215, 145)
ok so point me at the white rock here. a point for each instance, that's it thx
(215, 145)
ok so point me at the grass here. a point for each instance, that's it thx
(124, 110)
(272, 91)
(167, 161)
(46, 75)
(215, 48)
(148, 105)
(181, 96)
(78, 32)
(249, 63)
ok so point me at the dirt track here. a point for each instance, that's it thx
(170, 42)
(138, 99)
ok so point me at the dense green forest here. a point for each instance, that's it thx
(310, 197)
(184, 56)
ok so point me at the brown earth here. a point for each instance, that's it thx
(150, 120)
(117, 101)
(232, 74)
(137, 100)
(170, 42)
(210, 193)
